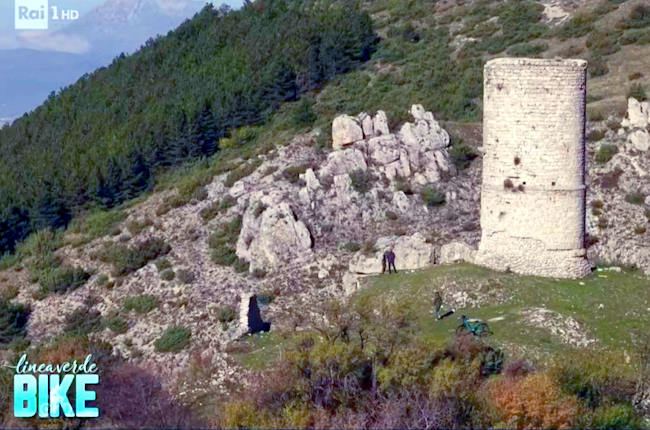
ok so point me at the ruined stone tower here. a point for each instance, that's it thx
(533, 193)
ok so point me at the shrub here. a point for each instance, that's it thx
(594, 377)
(63, 279)
(217, 208)
(258, 273)
(578, 26)
(173, 339)
(639, 36)
(162, 264)
(616, 416)
(292, 173)
(362, 180)
(462, 155)
(117, 325)
(127, 260)
(604, 42)
(304, 114)
(594, 114)
(13, 321)
(596, 135)
(634, 76)
(635, 197)
(141, 304)
(605, 153)
(402, 185)
(527, 49)
(135, 226)
(639, 229)
(638, 92)
(432, 197)
(266, 298)
(391, 215)
(240, 265)
(226, 314)
(167, 275)
(351, 246)
(639, 17)
(123, 382)
(83, 321)
(185, 276)
(241, 172)
(97, 223)
(222, 242)
(597, 67)
(532, 401)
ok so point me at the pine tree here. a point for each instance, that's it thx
(52, 211)
(14, 227)
(140, 178)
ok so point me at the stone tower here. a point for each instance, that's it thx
(533, 193)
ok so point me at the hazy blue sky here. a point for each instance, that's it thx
(83, 6)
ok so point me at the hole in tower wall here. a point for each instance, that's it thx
(507, 184)
(517, 161)
(553, 183)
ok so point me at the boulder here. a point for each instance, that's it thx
(456, 252)
(342, 186)
(275, 236)
(640, 140)
(311, 182)
(411, 252)
(380, 123)
(366, 125)
(401, 202)
(383, 149)
(343, 162)
(400, 167)
(345, 130)
(638, 114)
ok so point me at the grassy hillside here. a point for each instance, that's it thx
(576, 365)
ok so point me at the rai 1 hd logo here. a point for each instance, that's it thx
(36, 14)
(45, 390)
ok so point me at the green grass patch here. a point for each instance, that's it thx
(127, 260)
(141, 304)
(173, 339)
(606, 152)
(624, 296)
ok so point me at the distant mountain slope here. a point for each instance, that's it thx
(98, 141)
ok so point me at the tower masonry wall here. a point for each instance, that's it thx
(533, 192)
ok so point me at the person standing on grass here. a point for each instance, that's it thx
(389, 258)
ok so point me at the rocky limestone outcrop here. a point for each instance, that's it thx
(345, 130)
(411, 252)
(456, 252)
(617, 224)
(271, 234)
(417, 152)
(636, 125)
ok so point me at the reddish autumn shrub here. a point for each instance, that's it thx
(534, 401)
(131, 397)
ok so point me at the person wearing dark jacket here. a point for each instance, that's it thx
(389, 260)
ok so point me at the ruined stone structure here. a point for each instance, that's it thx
(533, 193)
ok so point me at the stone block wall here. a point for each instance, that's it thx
(533, 192)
